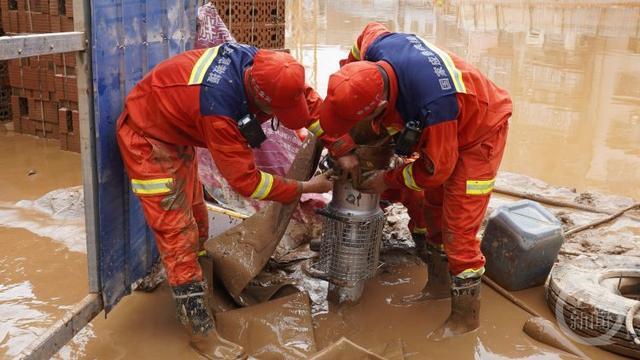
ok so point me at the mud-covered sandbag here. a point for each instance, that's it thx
(240, 253)
(278, 329)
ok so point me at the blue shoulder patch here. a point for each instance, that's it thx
(425, 81)
(222, 89)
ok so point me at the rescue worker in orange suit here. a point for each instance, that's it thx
(454, 122)
(214, 98)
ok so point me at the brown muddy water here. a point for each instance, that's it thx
(573, 69)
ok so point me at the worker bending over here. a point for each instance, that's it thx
(450, 124)
(214, 98)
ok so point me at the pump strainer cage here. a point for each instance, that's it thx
(350, 247)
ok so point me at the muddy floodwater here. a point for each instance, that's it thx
(573, 70)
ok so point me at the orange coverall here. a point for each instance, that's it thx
(163, 120)
(447, 189)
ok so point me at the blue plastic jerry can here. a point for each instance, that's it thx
(521, 243)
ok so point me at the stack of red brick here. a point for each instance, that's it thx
(257, 22)
(5, 90)
(44, 93)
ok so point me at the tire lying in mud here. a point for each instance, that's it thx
(591, 296)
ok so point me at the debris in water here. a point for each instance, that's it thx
(280, 328)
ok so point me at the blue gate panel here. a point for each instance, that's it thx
(129, 38)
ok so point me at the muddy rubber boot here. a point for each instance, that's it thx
(194, 314)
(438, 279)
(465, 309)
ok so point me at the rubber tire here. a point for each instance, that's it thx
(575, 286)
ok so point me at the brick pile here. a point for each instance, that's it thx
(44, 93)
(257, 22)
(5, 90)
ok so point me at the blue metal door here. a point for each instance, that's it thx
(129, 37)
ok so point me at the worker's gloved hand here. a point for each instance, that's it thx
(318, 184)
(350, 167)
(373, 182)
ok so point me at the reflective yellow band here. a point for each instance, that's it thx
(201, 66)
(480, 187)
(419, 230)
(456, 74)
(151, 187)
(409, 181)
(392, 131)
(471, 273)
(316, 129)
(355, 51)
(264, 187)
(202, 253)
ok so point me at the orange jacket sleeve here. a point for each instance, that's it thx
(337, 146)
(370, 33)
(438, 157)
(236, 163)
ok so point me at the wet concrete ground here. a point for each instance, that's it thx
(572, 71)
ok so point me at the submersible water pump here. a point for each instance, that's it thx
(352, 231)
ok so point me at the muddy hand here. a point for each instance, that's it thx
(214, 346)
(318, 184)
(350, 166)
(373, 182)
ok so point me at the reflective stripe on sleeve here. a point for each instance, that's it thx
(264, 187)
(480, 187)
(201, 66)
(409, 181)
(151, 187)
(316, 129)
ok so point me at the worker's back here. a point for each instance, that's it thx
(171, 101)
(435, 84)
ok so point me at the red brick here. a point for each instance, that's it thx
(40, 22)
(50, 84)
(40, 95)
(4, 12)
(70, 142)
(59, 86)
(66, 59)
(15, 111)
(41, 6)
(30, 78)
(72, 88)
(63, 142)
(53, 7)
(45, 129)
(75, 119)
(63, 120)
(23, 24)
(66, 24)
(13, 25)
(15, 78)
(54, 22)
(68, 8)
(27, 126)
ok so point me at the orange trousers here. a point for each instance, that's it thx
(453, 212)
(165, 179)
